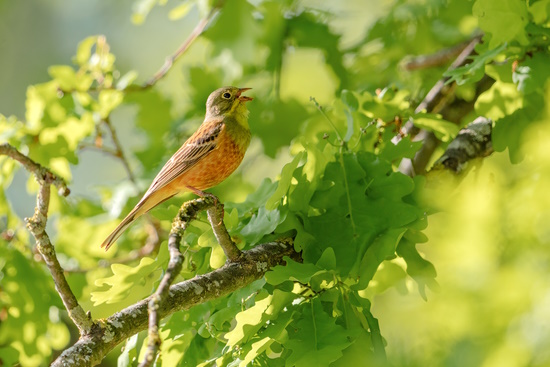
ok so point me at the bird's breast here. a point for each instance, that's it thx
(214, 167)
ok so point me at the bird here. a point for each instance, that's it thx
(206, 159)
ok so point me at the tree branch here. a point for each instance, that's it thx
(215, 216)
(119, 153)
(42, 174)
(186, 214)
(454, 112)
(90, 349)
(169, 62)
(37, 227)
(439, 58)
(440, 99)
(473, 141)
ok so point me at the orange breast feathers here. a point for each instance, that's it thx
(215, 167)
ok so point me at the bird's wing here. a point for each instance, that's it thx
(201, 143)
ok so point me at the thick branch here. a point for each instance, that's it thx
(42, 174)
(454, 112)
(473, 141)
(439, 99)
(89, 350)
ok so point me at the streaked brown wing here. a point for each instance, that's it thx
(202, 142)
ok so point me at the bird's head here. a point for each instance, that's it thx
(227, 101)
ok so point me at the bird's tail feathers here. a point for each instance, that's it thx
(148, 202)
(141, 208)
(110, 240)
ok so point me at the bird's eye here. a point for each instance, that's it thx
(226, 95)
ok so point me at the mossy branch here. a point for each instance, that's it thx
(90, 349)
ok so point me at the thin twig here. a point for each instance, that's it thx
(186, 214)
(42, 174)
(215, 216)
(119, 153)
(102, 149)
(439, 58)
(432, 99)
(435, 101)
(320, 108)
(169, 62)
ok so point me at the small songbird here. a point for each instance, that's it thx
(207, 158)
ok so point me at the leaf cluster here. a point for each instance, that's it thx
(335, 186)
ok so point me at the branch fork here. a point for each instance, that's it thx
(188, 212)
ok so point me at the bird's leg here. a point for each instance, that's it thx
(202, 194)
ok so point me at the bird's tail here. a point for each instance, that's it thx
(148, 202)
(130, 218)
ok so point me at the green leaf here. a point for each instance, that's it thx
(126, 80)
(274, 33)
(500, 100)
(315, 339)
(257, 198)
(180, 11)
(128, 353)
(128, 284)
(284, 181)
(251, 320)
(510, 130)
(108, 100)
(292, 271)
(443, 130)
(235, 30)
(276, 122)
(422, 271)
(327, 260)
(504, 20)
(84, 50)
(531, 75)
(540, 11)
(64, 75)
(474, 71)
(262, 223)
(405, 148)
(307, 30)
(141, 9)
(155, 119)
(385, 105)
(382, 248)
(352, 104)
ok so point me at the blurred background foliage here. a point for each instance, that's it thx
(64, 90)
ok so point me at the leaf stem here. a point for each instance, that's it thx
(341, 160)
(314, 324)
(320, 108)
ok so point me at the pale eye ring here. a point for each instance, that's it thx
(226, 95)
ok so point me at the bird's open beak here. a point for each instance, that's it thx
(243, 98)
